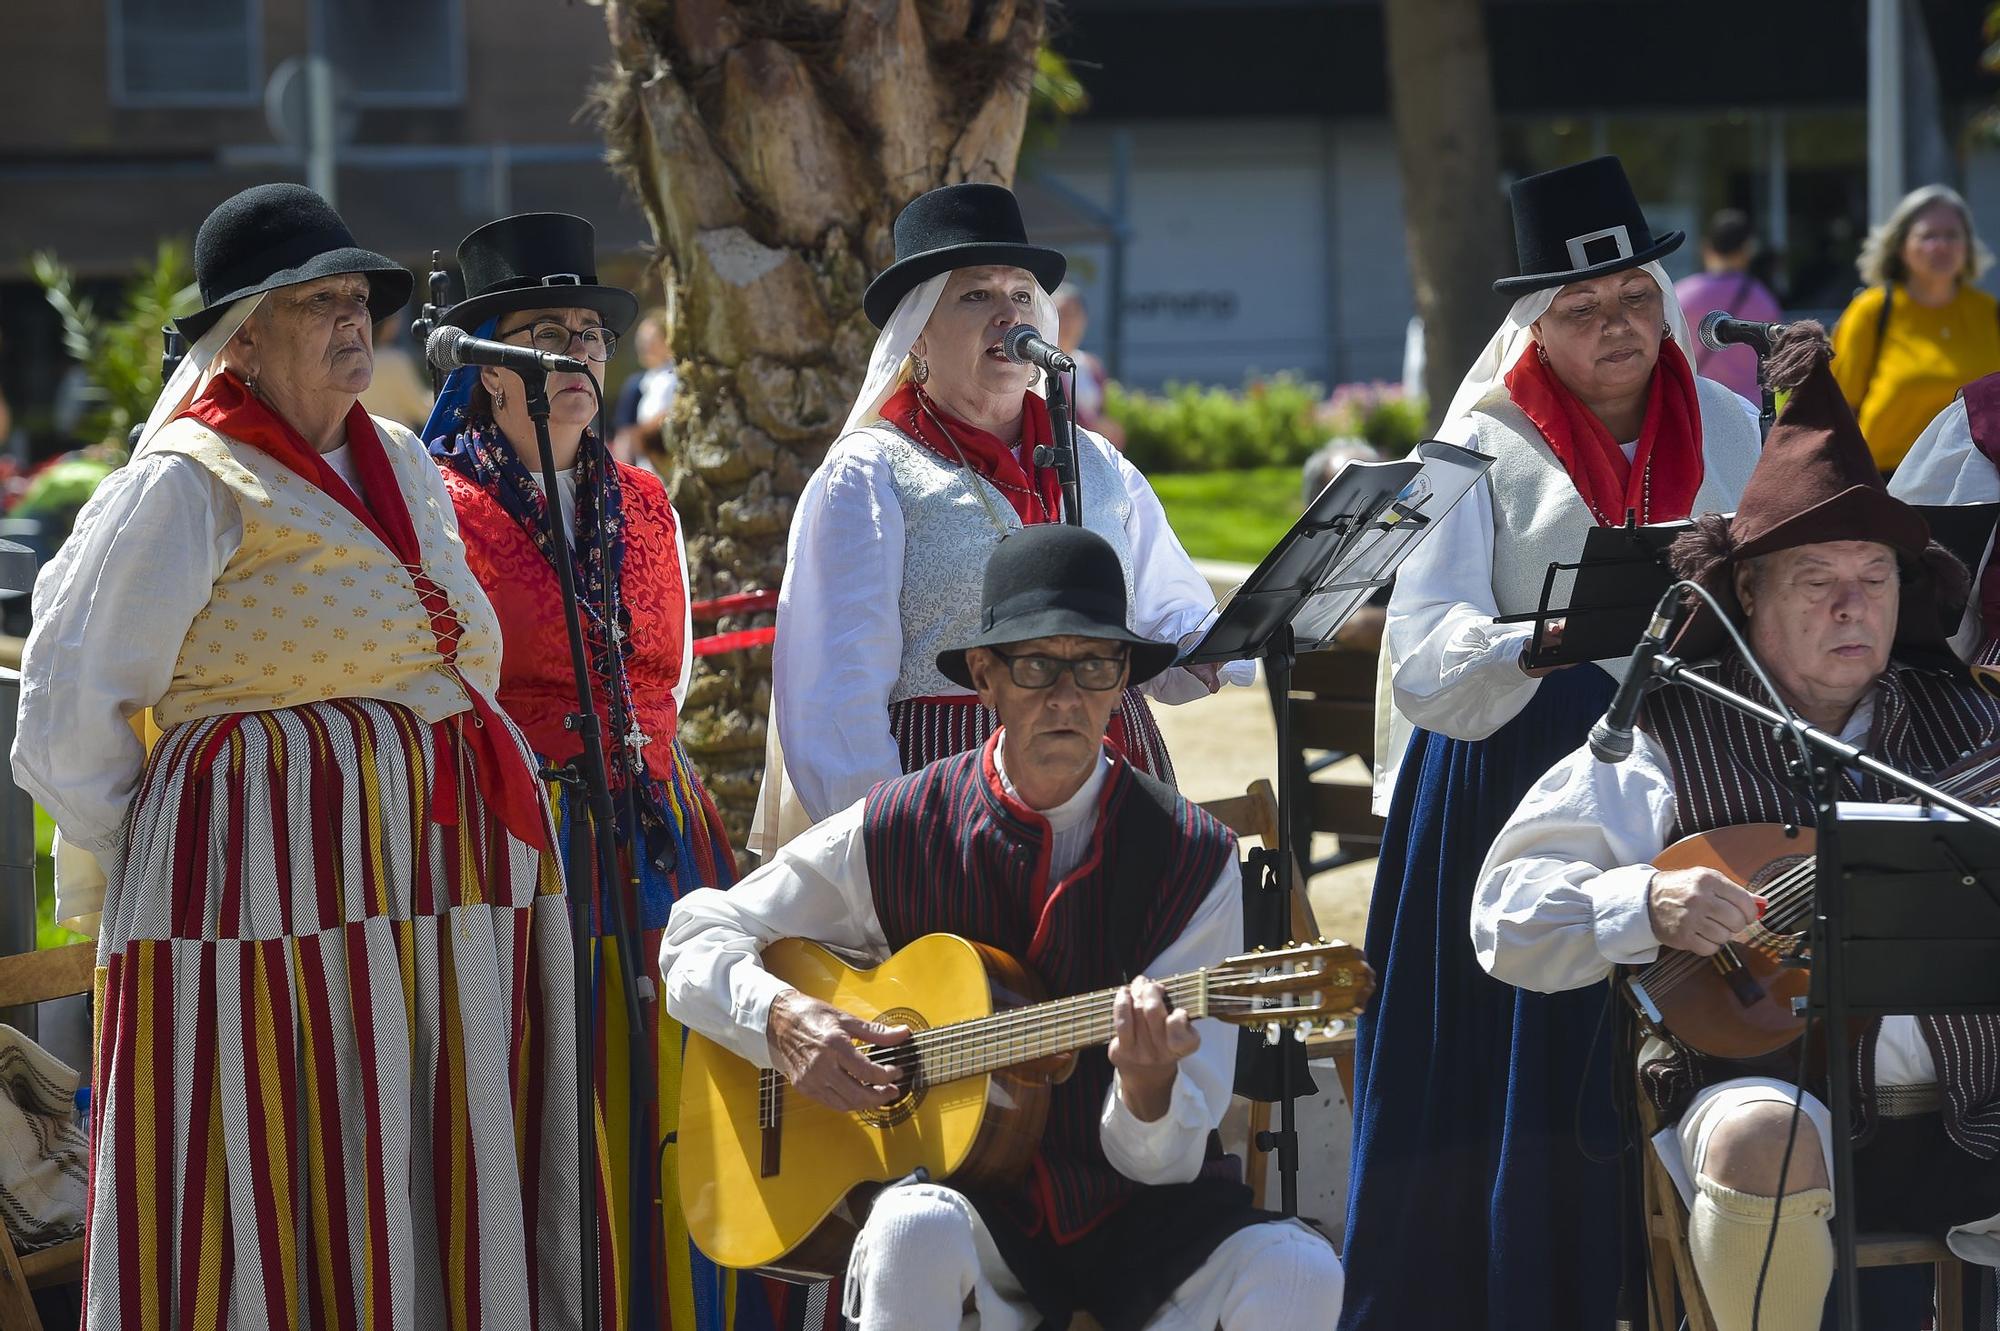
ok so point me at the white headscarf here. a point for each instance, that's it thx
(1490, 366)
(905, 326)
(196, 368)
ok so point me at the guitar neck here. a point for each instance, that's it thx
(1044, 1030)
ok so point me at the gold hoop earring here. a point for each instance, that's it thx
(921, 371)
(500, 400)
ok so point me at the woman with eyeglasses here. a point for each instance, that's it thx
(531, 281)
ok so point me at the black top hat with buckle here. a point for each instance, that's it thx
(1578, 222)
(958, 226)
(279, 235)
(535, 261)
(1055, 580)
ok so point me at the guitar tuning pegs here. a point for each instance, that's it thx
(1291, 942)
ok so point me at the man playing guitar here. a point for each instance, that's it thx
(1049, 846)
(1837, 588)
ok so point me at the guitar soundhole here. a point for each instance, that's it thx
(899, 1110)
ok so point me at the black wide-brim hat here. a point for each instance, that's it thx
(279, 235)
(535, 261)
(1055, 580)
(1578, 222)
(959, 226)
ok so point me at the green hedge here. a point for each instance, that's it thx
(1269, 422)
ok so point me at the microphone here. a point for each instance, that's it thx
(1611, 737)
(1718, 330)
(453, 348)
(1023, 345)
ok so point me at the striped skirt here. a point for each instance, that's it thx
(663, 1278)
(336, 1053)
(927, 729)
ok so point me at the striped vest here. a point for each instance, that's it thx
(949, 852)
(1728, 770)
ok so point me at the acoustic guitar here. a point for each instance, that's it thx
(1738, 1003)
(764, 1171)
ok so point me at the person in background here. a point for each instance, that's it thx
(645, 396)
(1073, 321)
(401, 389)
(1725, 283)
(1919, 330)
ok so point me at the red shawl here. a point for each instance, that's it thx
(1033, 492)
(228, 408)
(1660, 482)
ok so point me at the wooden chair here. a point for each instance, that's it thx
(1673, 1264)
(37, 977)
(1333, 716)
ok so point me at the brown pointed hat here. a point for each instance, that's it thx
(1815, 482)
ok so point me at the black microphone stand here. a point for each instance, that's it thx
(1061, 455)
(595, 829)
(1826, 940)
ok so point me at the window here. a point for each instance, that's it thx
(397, 52)
(185, 52)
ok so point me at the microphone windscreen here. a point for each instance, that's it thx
(439, 349)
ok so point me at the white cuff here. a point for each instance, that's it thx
(755, 989)
(1151, 1152)
(1620, 919)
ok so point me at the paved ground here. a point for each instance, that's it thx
(1223, 743)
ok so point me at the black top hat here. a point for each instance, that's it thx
(271, 236)
(958, 226)
(1577, 222)
(1054, 579)
(535, 261)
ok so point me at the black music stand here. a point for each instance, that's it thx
(1348, 543)
(1606, 598)
(1910, 925)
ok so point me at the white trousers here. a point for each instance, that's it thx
(924, 1252)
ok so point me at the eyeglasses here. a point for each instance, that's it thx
(1096, 673)
(555, 338)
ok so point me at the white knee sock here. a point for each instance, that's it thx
(1727, 1231)
(913, 1263)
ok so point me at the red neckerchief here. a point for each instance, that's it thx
(1660, 482)
(230, 409)
(1032, 492)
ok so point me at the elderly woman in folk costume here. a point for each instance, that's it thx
(1475, 1202)
(335, 1069)
(531, 280)
(934, 466)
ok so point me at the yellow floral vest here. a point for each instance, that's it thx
(314, 606)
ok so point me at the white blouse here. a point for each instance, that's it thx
(1944, 466)
(816, 887)
(1563, 895)
(841, 647)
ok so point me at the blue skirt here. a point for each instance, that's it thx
(1473, 1204)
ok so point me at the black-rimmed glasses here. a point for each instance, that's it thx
(554, 338)
(1096, 673)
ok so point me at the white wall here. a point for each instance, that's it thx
(1256, 246)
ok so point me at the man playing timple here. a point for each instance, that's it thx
(1049, 846)
(1837, 587)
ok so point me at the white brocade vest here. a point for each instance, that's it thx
(1539, 518)
(948, 534)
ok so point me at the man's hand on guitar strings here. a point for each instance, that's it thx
(1699, 910)
(1148, 1041)
(814, 1044)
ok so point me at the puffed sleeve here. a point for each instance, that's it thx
(840, 635)
(1456, 672)
(1945, 466)
(1562, 897)
(111, 612)
(1171, 600)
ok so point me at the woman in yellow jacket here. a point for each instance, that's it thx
(1919, 330)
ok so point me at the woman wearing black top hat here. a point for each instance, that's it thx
(531, 280)
(934, 466)
(1473, 1202)
(335, 1075)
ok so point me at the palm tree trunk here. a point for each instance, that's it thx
(772, 144)
(1447, 135)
